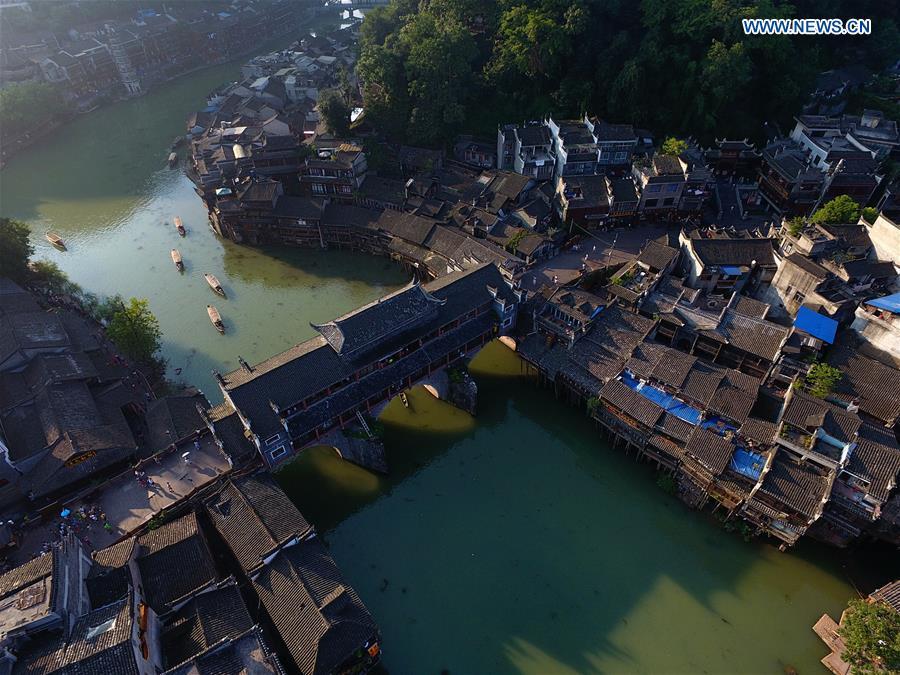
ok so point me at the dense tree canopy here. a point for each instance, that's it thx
(25, 107)
(841, 209)
(335, 112)
(683, 67)
(133, 328)
(15, 249)
(871, 632)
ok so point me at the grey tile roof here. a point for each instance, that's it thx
(204, 621)
(255, 516)
(99, 644)
(391, 315)
(172, 418)
(675, 427)
(750, 307)
(657, 255)
(876, 458)
(630, 402)
(26, 574)
(712, 450)
(321, 620)
(807, 265)
(874, 384)
(732, 403)
(734, 251)
(808, 412)
(310, 367)
(109, 578)
(758, 430)
(174, 561)
(408, 226)
(890, 594)
(798, 486)
(754, 336)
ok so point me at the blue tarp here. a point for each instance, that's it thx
(732, 271)
(675, 407)
(816, 325)
(747, 463)
(889, 302)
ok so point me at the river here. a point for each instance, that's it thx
(514, 542)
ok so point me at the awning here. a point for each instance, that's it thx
(889, 302)
(815, 324)
(732, 270)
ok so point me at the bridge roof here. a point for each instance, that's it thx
(300, 372)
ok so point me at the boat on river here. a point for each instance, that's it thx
(214, 284)
(55, 239)
(176, 258)
(173, 159)
(215, 318)
(180, 226)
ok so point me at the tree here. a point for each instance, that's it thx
(133, 328)
(841, 209)
(48, 273)
(673, 146)
(15, 249)
(335, 112)
(869, 214)
(871, 633)
(821, 379)
(26, 106)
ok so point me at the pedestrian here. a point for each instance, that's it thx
(187, 458)
(197, 444)
(169, 487)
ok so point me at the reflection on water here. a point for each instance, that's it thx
(521, 543)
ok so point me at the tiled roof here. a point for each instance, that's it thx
(109, 578)
(734, 251)
(733, 403)
(255, 517)
(796, 485)
(406, 226)
(758, 430)
(890, 594)
(876, 458)
(205, 620)
(750, 307)
(676, 427)
(807, 265)
(673, 367)
(713, 451)
(874, 384)
(630, 402)
(26, 574)
(174, 561)
(808, 412)
(99, 644)
(321, 620)
(391, 315)
(755, 336)
(702, 382)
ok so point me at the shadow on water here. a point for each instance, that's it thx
(525, 544)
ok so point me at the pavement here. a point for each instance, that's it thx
(127, 503)
(601, 248)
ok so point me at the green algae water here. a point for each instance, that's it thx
(514, 542)
(520, 542)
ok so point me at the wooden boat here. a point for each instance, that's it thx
(176, 258)
(55, 239)
(180, 226)
(173, 159)
(215, 318)
(214, 284)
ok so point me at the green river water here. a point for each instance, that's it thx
(515, 542)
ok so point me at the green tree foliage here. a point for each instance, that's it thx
(673, 146)
(681, 67)
(871, 633)
(795, 226)
(841, 209)
(48, 273)
(821, 379)
(15, 249)
(27, 106)
(869, 214)
(132, 327)
(335, 112)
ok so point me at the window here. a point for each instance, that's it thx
(672, 187)
(668, 201)
(650, 203)
(271, 439)
(318, 189)
(653, 188)
(346, 189)
(280, 451)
